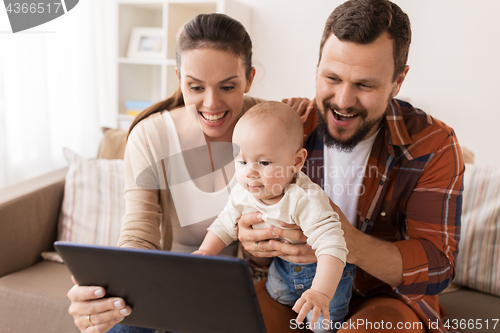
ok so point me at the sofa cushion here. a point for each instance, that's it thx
(478, 264)
(93, 203)
(34, 300)
(28, 220)
(468, 308)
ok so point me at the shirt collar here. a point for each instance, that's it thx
(397, 133)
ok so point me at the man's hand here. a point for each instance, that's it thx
(261, 243)
(303, 106)
(296, 253)
(315, 301)
(299, 104)
(255, 241)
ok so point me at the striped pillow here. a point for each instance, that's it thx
(93, 203)
(478, 264)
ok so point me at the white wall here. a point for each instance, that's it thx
(454, 60)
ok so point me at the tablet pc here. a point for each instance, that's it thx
(171, 291)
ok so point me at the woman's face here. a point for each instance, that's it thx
(214, 81)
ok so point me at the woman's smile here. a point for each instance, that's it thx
(213, 118)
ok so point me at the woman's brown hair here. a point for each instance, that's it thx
(217, 31)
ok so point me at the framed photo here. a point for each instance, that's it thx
(146, 43)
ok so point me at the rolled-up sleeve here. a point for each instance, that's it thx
(433, 219)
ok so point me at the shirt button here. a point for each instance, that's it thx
(382, 214)
(297, 269)
(381, 182)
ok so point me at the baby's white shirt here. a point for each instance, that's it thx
(304, 204)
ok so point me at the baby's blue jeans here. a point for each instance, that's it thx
(287, 281)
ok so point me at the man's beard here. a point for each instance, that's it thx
(349, 144)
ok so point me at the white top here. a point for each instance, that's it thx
(344, 173)
(304, 204)
(193, 223)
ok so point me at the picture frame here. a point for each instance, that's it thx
(146, 43)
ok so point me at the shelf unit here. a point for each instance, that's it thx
(154, 79)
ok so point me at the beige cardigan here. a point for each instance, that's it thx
(150, 211)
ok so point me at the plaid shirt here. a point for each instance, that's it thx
(413, 197)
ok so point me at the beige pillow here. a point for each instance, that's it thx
(478, 264)
(113, 143)
(93, 203)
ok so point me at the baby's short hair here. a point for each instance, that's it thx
(286, 116)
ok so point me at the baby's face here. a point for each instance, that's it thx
(265, 163)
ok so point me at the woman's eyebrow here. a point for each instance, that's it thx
(229, 78)
(193, 78)
(222, 81)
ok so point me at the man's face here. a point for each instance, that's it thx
(353, 88)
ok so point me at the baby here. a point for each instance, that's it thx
(270, 139)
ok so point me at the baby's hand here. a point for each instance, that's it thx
(202, 253)
(315, 301)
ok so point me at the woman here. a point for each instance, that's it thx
(163, 154)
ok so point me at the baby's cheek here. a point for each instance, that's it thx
(274, 174)
(240, 176)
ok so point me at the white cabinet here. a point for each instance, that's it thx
(153, 78)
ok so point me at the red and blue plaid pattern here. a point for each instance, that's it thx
(413, 196)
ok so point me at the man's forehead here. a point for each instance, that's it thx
(365, 60)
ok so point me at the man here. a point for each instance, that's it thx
(394, 171)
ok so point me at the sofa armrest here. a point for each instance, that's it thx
(28, 220)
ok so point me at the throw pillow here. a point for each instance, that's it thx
(93, 203)
(478, 264)
(113, 143)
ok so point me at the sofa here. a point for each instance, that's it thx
(33, 291)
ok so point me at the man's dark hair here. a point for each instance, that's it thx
(363, 21)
